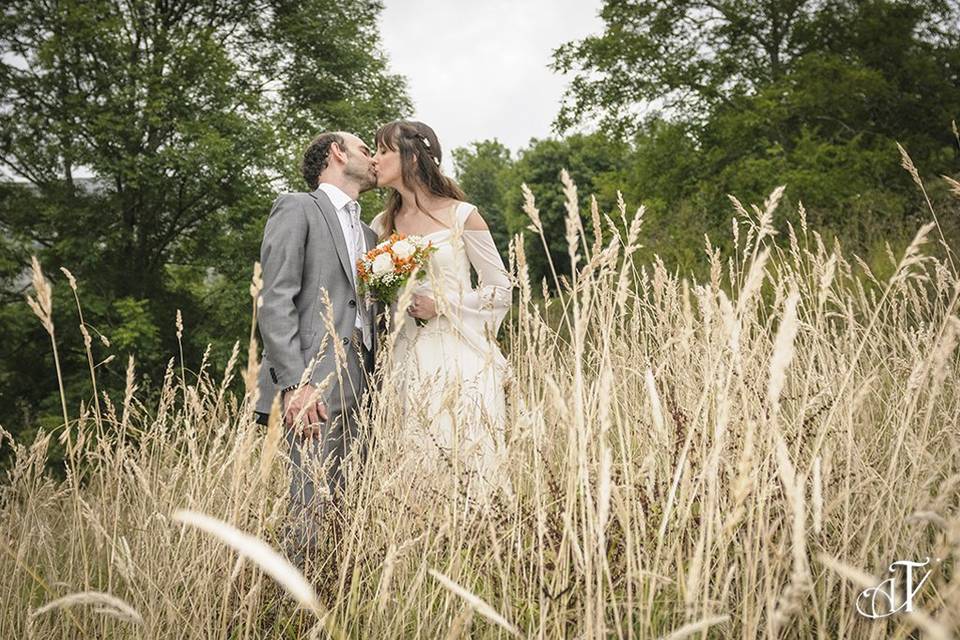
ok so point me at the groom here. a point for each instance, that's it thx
(311, 243)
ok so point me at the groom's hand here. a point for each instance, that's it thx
(302, 404)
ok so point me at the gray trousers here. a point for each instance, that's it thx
(318, 461)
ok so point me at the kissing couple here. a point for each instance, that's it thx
(445, 367)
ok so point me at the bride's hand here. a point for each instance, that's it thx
(422, 307)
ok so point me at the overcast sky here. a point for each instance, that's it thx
(478, 69)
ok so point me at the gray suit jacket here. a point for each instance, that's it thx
(304, 250)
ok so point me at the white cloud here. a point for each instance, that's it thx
(478, 70)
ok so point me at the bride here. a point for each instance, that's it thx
(448, 370)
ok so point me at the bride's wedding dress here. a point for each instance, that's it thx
(450, 372)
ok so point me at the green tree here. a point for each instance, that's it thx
(724, 96)
(596, 164)
(664, 173)
(150, 139)
(686, 57)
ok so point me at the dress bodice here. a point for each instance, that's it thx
(475, 314)
(449, 262)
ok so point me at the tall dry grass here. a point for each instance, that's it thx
(731, 458)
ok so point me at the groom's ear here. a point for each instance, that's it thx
(338, 152)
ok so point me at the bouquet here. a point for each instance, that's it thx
(386, 268)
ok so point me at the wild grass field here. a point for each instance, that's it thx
(733, 458)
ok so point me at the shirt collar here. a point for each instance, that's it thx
(338, 198)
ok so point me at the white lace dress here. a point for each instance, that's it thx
(450, 373)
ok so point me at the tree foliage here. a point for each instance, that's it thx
(687, 57)
(729, 97)
(594, 162)
(148, 140)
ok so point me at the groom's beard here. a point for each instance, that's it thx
(360, 175)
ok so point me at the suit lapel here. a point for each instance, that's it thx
(370, 235)
(371, 240)
(329, 214)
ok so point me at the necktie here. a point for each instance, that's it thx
(353, 209)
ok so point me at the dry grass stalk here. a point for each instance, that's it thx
(106, 604)
(477, 603)
(271, 562)
(791, 599)
(42, 307)
(783, 350)
(461, 624)
(271, 441)
(698, 627)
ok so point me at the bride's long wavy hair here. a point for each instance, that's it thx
(420, 156)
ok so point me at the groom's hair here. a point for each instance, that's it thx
(316, 157)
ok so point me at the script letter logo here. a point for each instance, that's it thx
(881, 600)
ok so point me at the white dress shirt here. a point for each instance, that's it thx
(340, 200)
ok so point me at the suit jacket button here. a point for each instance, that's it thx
(346, 341)
(352, 303)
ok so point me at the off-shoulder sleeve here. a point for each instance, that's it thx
(490, 301)
(483, 308)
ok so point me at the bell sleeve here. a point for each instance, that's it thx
(482, 308)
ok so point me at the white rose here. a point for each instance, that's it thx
(383, 263)
(403, 249)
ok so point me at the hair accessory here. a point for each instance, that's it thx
(426, 143)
